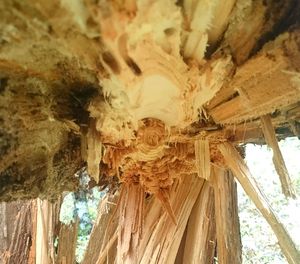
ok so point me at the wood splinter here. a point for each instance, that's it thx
(270, 137)
(240, 170)
(202, 155)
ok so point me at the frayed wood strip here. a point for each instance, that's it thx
(165, 201)
(108, 246)
(202, 155)
(161, 238)
(130, 222)
(227, 221)
(281, 169)
(240, 170)
(201, 229)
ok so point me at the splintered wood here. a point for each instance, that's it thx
(270, 136)
(67, 243)
(241, 172)
(202, 156)
(171, 74)
(103, 240)
(161, 238)
(151, 88)
(200, 242)
(229, 246)
(131, 210)
(263, 84)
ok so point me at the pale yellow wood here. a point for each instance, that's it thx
(220, 20)
(270, 137)
(202, 156)
(240, 170)
(229, 246)
(263, 84)
(161, 237)
(201, 229)
(44, 211)
(104, 253)
(102, 246)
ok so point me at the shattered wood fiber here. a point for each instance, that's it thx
(143, 93)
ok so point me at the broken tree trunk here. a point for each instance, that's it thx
(200, 241)
(240, 170)
(270, 136)
(160, 237)
(229, 248)
(129, 86)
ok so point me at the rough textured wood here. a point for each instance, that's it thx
(67, 243)
(180, 252)
(264, 19)
(264, 83)
(40, 145)
(229, 248)
(269, 134)
(103, 231)
(131, 215)
(16, 232)
(46, 225)
(56, 56)
(202, 157)
(200, 243)
(242, 173)
(161, 238)
(32, 253)
(21, 243)
(183, 196)
(139, 82)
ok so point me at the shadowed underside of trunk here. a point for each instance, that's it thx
(153, 96)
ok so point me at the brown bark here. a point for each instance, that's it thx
(22, 237)
(16, 232)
